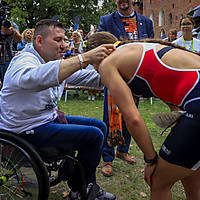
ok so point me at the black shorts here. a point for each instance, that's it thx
(182, 145)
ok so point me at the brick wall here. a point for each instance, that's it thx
(176, 8)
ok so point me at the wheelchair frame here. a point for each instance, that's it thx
(28, 173)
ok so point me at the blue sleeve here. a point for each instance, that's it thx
(150, 29)
(67, 54)
(15, 26)
(101, 26)
(20, 46)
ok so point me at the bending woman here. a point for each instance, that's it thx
(172, 74)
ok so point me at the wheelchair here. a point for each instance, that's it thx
(28, 173)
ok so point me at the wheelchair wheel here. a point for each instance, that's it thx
(22, 172)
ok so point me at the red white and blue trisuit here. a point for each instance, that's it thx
(176, 86)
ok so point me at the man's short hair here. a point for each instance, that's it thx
(42, 27)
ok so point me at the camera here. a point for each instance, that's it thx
(4, 11)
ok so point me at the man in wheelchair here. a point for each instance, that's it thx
(29, 102)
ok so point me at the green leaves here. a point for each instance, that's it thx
(26, 13)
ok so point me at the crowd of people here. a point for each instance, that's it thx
(48, 59)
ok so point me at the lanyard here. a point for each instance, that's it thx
(186, 46)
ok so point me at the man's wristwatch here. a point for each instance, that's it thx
(152, 161)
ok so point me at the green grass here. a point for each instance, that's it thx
(127, 183)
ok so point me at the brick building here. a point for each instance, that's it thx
(165, 14)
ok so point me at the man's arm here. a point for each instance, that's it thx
(95, 56)
(28, 73)
(84, 77)
(12, 31)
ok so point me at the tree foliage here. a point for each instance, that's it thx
(26, 13)
(108, 7)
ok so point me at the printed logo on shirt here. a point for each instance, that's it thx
(130, 25)
(166, 150)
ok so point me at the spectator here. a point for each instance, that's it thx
(191, 44)
(28, 83)
(27, 37)
(198, 36)
(172, 35)
(76, 47)
(154, 69)
(123, 23)
(67, 49)
(9, 34)
(82, 34)
(194, 34)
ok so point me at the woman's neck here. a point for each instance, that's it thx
(187, 36)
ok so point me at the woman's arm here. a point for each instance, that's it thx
(122, 96)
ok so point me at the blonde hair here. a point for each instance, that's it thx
(77, 33)
(24, 33)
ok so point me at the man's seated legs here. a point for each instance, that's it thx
(84, 135)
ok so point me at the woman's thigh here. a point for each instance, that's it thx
(166, 175)
(181, 147)
(179, 155)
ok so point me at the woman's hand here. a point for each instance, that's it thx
(148, 173)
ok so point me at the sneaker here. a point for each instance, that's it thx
(89, 98)
(97, 193)
(93, 97)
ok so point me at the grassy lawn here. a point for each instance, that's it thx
(127, 183)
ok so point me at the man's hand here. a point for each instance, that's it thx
(96, 55)
(93, 57)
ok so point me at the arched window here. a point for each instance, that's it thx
(152, 17)
(170, 18)
(161, 18)
(162, 34)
